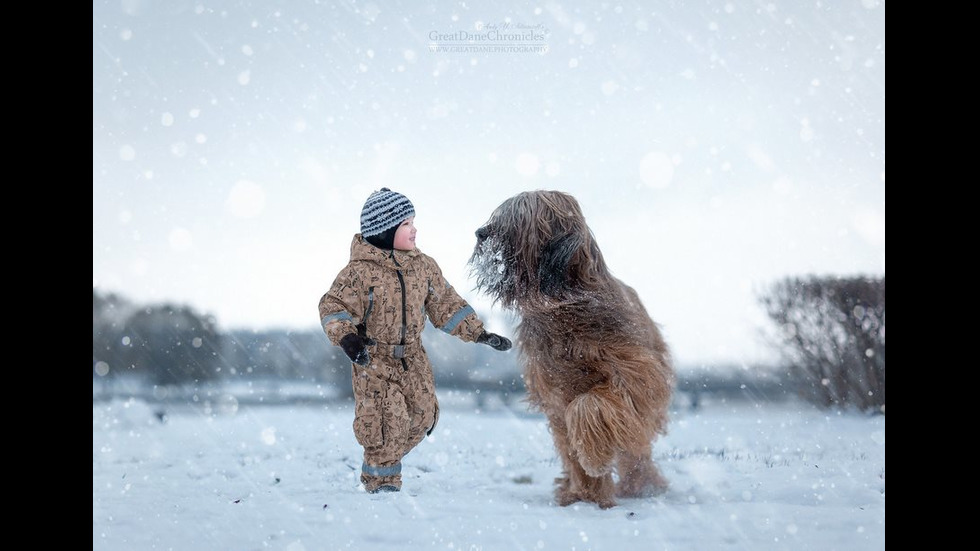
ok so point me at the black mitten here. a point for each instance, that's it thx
(493, 340)
(355, 346)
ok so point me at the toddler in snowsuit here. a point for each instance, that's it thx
(376, 311)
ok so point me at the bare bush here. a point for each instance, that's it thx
(832, 331)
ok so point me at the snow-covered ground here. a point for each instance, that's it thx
(743, 476)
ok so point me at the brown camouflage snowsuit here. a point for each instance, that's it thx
(391, 293)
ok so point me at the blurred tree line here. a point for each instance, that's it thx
(832, 333)
(169, 344)
(830, 330)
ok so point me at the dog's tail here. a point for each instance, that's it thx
(601, 423)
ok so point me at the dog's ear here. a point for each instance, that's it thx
(553, 272)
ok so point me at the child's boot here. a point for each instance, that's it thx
(386, 478)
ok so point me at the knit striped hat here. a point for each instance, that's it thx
(383, 210)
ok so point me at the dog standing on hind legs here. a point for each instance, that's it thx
(594, 362)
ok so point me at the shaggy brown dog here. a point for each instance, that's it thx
(594, 362)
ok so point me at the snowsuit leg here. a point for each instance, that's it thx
(380, 425)
(394, 410)
(420, 398)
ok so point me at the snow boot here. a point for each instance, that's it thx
(381, 479)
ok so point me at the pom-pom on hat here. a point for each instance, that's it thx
(383, 210)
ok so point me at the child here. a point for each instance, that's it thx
(376, 310)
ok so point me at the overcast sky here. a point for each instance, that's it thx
(715, 146)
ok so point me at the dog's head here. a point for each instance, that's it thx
(536, 245)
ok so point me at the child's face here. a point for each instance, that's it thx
(405, 235)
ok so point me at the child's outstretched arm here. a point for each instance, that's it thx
(450, 313)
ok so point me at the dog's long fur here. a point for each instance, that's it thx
(594, 362)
